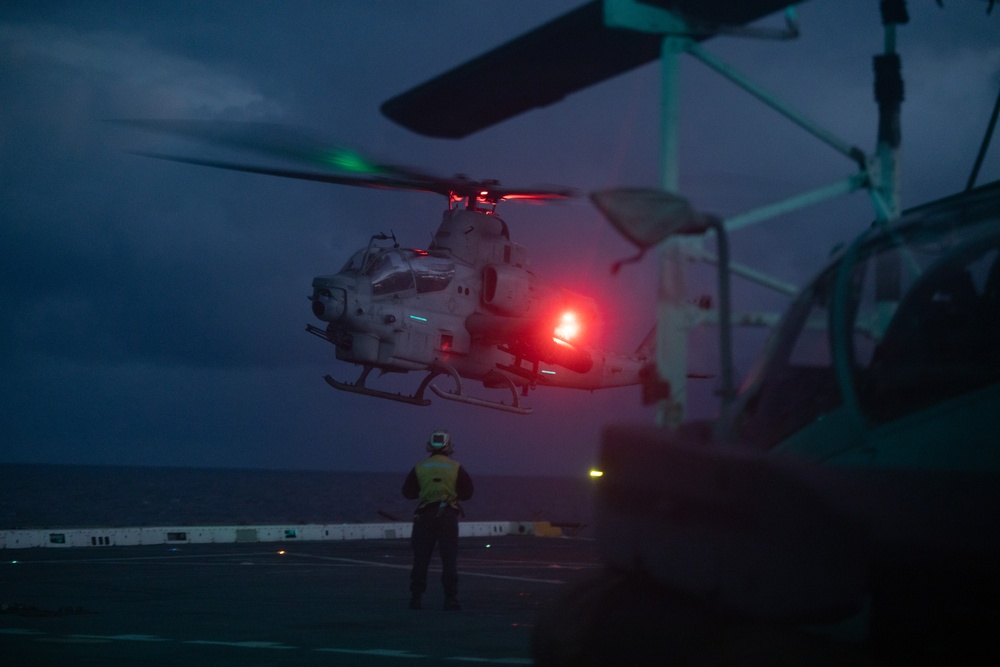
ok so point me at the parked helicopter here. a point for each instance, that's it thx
(467, 306)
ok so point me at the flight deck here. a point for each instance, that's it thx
(307, 603)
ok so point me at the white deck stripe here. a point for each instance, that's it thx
(464, 573)
(61, 538)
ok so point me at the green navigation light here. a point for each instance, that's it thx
(348, 161)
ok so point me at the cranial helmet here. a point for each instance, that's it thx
(440, 442)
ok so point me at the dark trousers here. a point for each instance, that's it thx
(430, 529)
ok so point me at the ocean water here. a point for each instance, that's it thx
(66, 496)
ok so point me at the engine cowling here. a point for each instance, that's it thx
(508, 289)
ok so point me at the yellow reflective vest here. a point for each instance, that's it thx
(438, 477)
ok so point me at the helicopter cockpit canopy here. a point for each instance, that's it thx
(392, 270)
(904, 319)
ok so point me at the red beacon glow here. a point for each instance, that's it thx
(568, 327)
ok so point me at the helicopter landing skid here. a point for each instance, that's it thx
(360, 388)
(481, 402)
(457, 395)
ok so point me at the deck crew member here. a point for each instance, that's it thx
(439, 482)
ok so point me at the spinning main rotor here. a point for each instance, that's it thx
(339, 165)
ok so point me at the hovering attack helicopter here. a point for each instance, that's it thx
(467, 306)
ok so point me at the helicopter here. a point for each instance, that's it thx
(841, 507)
(467, 307)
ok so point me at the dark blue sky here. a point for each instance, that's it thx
(153, 313)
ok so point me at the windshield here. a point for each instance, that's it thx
(354, 263)
(388, 272)
(796, 383)
(941, 337)
(916, 318)
(432, 274)
(395, 270)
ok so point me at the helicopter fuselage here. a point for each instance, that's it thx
(468, 304)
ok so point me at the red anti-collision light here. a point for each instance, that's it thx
(568, 327)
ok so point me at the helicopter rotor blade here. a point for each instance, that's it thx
(273, 140)
(357, 181)
(339, 165)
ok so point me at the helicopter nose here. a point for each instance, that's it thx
(328, 304)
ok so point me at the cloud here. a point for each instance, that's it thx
(153, 313)
(102, 260)
(140, 79)
(952, 129)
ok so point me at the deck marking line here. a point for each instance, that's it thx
(165, 558)
(20, 631)
(387, 653)
(127, 638)
(493, 661)
(246, 644)
(464, 573)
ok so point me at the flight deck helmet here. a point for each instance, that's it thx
(439, 442)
